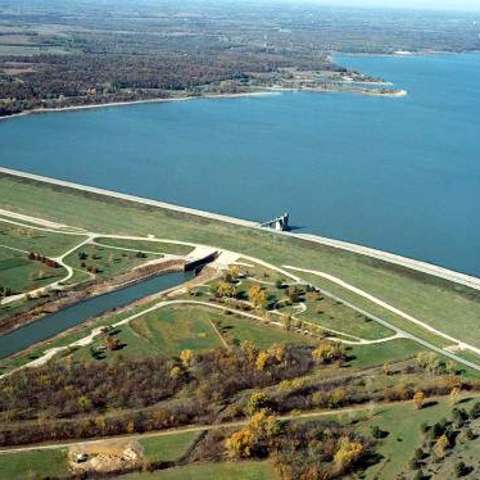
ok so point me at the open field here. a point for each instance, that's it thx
(19, 274)
(403, 423)
(106, 262)
(50, 244)
(238, 329)
(167, 449)
(166, 331)
(146, 246)
(333, 315)
(379, 353)
(26, 465)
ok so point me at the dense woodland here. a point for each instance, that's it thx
(62, 54)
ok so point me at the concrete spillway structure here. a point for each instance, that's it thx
(280, 224)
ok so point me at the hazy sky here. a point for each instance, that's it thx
(431, 4)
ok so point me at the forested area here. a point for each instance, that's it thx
(71, 54)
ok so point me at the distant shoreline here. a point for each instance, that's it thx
(260, 93)
(73, 108)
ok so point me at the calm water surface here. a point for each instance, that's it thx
(399, 174)
(58, 322)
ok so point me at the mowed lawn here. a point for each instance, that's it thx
(34, 464)
(333, 315)
(166, 331)
(49, 244)
(379, 353)
(21, 274)
(212, 471)
(107, 262)
(239, 329)
(146, 246)
(452, 308)
(167, 448)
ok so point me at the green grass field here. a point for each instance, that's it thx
(20, 274)
(34, 464)
(403, 423)
(167, 449)
(166, 331)
(332, 315)
(212, 471)
(379, 353)
(109, 262)
(240, 329)
(146, 246)
(31, 240)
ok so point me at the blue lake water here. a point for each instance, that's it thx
(399, 174)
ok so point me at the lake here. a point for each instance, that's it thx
(398, 174)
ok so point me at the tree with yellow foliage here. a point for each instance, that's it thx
(239, 444)
(254, 437)
(186, 356)
(257, 296)
(348, 452)
(256, 402)
(454, 395)
(250, 350)
(441, 445)
(234, 272)
(418, 399)
(273, 355)
(327, 352)
(262, 360)
(225, 289)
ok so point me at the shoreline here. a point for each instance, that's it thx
(270, 91)
(388, 257)
(74, 108)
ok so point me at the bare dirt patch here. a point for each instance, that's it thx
(104, 457)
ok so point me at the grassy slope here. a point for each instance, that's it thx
(146, 246)
(29, 239)
(110, 262)
(35, 464)
(167, 449)
(21, 274)
(262, 336)
(378, 354)
(432, 300)
(403, 423)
